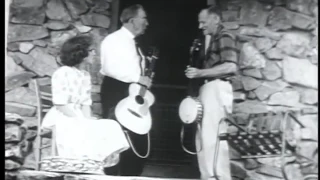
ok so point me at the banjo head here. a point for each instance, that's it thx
(190, 110)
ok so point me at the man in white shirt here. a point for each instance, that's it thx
(122, 63)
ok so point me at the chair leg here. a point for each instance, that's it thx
(37, 152)
(53, 142)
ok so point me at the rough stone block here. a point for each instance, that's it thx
(268, 88)
(256, 73)
(250, 57)
(96, 20)
(21, 109)
(33, 3)
(22, 95)
(253, 13)
(81, 28)
(290, 98)
(12, 67)
(17, 79)
(11, 165)
(59, 37)
(30, 122)
(26, 47)
(231, 25)
(250, 107)
(264, 44)
(274, 54)
(13, 133)
(280, 19)
(259, 32)
(309, 96)
(296, 44)
(13, 46)
(27, 15)
(300, 71)
(272, 71)
(250, 83)
(228, 16)
(57, 11)
(26, 32)
(13, 118)
(302, 6)
(38, 61)
(57, 25)
(13, 152)
(76, 7)
(40, 43)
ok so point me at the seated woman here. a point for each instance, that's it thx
(78, 134)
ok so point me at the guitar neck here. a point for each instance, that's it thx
(149, 72)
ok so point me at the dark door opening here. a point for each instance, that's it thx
(173, 24)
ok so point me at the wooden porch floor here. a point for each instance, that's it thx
(41, 175)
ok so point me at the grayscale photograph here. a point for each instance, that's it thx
(161, 89)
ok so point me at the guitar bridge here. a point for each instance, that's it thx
(134, 113)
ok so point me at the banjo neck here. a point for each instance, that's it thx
(194, 61)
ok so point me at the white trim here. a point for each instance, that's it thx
(6, 21)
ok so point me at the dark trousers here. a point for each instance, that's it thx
(113, 91)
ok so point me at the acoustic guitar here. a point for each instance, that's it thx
(133, 111)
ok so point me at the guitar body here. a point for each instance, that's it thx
(133, 111)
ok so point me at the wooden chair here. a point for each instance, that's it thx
(44, 103)
(262, 138)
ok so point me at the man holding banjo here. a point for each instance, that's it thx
(215, 95)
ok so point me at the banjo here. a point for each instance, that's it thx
(191, 108)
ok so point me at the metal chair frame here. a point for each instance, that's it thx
(275, 138)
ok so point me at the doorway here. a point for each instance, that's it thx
(173, 24)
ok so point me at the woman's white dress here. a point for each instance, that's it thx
(81, 138)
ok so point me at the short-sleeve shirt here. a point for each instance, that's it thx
(222, 49)
(71, 85)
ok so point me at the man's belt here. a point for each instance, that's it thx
(226, 78)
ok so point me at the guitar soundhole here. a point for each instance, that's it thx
(139, 100)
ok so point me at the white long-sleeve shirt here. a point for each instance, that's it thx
(119, 57)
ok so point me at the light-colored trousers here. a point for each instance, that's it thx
(216, 97)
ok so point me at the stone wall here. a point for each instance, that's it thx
(278, 60)
(278, 55)
(37, 30)
(16, 144)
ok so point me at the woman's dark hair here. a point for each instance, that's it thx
(74, 50)
(130, 12)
